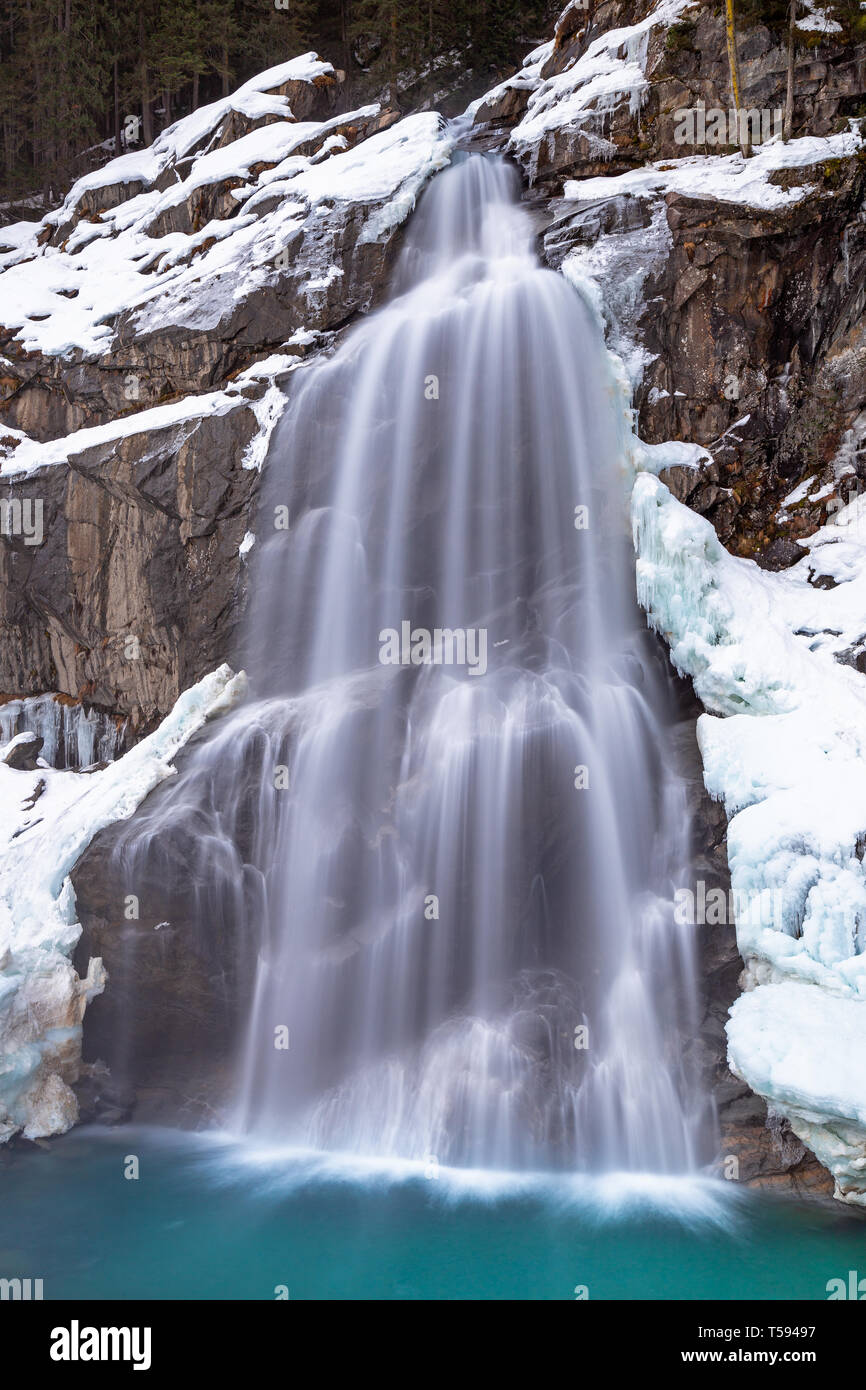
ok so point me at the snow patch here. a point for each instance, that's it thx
(727, 178)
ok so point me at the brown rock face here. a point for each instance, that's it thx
(685, 64)
(134, 594)
(754, 323)
(762, 334)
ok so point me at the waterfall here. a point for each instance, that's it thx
(443, 830)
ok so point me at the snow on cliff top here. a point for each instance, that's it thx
(727, 178)
(255, 100)
(65, 298)
(612, 70)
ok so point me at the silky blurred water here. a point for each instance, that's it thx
(456, 909)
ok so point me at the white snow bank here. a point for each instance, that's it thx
(727, 178)
(789, 762)
(776, 1029)
(803, 1049)
(42, 999)
(17, 239)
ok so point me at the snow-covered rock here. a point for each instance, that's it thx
(727, 178)
(151, 325)
(580, 100)
(21, 752)
(248, 227)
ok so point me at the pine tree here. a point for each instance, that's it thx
(268, 35)
(789, 86)
(73, 71)
(178, 50)
(391, 34)
(734, 67)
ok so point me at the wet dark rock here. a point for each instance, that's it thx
(31, 800)
(102, 1097)
(780, 554)
(855, 655)
(822, 581)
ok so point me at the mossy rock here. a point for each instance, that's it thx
(680, 37)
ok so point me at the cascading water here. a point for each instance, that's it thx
(443, 826)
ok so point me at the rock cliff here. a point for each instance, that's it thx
(153, 322)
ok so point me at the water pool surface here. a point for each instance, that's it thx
(209, 1219)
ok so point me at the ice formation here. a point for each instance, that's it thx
(783, 747)
(72, 735)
